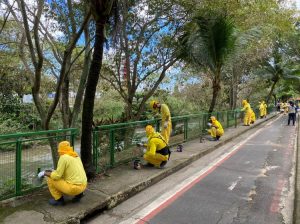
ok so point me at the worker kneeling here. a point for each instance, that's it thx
(216, 129)
(158, 151)
(68, 179)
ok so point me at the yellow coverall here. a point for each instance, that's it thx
(253, 117)
(261, 110)
(155, 143)
(265, 109)
(286, 108)
(165, 119)
(69, 178)
(247, 110)
(216, 129)
(266, 106)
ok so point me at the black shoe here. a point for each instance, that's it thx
(218, 137)
(77, 198)
(58, 202)
(162, 164)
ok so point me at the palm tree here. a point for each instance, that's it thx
(207, 42)
(275, 69)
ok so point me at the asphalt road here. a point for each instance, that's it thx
(249, 180)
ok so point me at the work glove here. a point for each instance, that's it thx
(144, 151)
(209, 124)
(166, 124)
(41, 174)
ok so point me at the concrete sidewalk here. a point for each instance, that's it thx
(111, 189)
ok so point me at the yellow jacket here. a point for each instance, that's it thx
(155, 143)
(165, 113)
(218, 126)
(246, 107)
(261, 106)
(70, 169)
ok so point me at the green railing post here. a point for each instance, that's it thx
(203, 122)
(18, 167)
(112, 147)
(235, 119)
(73, 134)
(227, 117)
(95, 151)
(185, 129)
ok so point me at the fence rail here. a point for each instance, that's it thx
(23, 155)
(116, 143)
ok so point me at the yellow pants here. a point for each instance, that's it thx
(214, 132)
(156, 159)
(262, 113)
(247, 118)
(60, 187)
(166, 132)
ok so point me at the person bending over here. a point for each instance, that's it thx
(157, 152)
(216, 130)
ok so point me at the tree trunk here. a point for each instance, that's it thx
(271, 91)
(233, 90)
(88, 103)
(275, 99)
(81, 87)
(65, 97)
(216, 89)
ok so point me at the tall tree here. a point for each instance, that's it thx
(38, 43)
(143, 54)
(207, 43)
(102, 11)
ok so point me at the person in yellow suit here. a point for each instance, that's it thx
(261, 109)
(265, 109)
(247, 110)
(157, 152)
(286, 108)
(166, 123)
(216, 130)
(253, 117)
(69, 178)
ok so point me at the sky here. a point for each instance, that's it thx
(297, 2)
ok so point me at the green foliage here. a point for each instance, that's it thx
(208, 40)
(16, 116)
(109, 108)
(9, 186)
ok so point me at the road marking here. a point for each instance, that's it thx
(233, 184)
(166, 199)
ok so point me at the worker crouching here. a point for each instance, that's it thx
(216, 130)
(69, 178)
(157, 152)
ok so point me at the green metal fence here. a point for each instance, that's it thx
(24, 155)
(116, 143)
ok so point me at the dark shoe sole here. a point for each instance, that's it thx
(163, 163)
(54, 202)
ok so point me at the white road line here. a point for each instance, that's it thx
(180, 187)
(233, 184)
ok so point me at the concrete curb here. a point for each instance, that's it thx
(296, 212)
